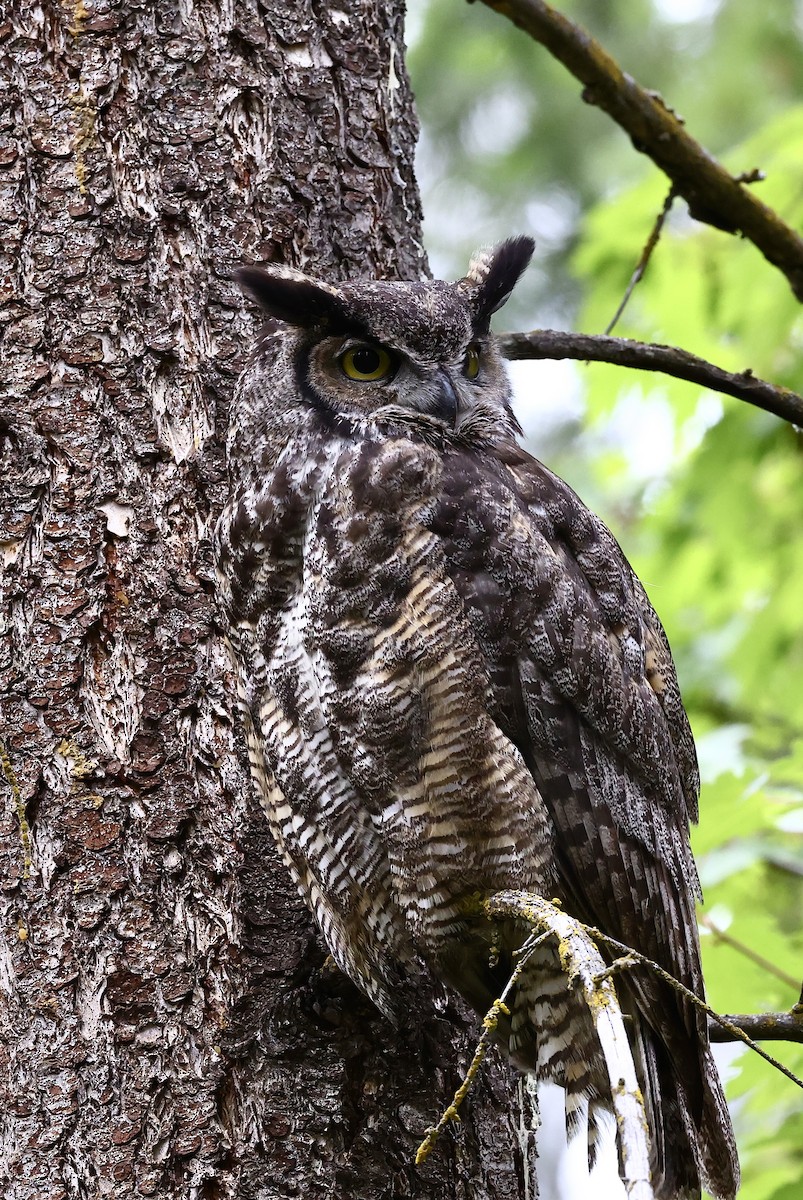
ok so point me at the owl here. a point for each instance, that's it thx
(452, 683)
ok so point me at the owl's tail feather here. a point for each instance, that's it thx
(548, 1032)
(691, 1147)
(691, 1140)
(673, 1162)
(718, 1158)
(552, 1034)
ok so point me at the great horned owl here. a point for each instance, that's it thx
(453, 683)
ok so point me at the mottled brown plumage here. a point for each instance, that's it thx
(453, 683)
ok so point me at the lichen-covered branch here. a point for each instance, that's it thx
(588, 973)
(649, 356)
(540, 914)
(732, 1029)
(711, 192)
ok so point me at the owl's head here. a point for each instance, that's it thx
(416, 355)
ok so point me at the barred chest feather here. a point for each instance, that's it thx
(391, 790)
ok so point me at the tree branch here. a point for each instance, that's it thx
(590, 977)
(712, 193)
(648, 356)
(760, 1027)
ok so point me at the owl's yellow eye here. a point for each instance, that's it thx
(471, 363)
(367, 364)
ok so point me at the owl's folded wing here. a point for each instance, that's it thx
(584, 684)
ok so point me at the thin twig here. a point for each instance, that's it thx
(489, 1024)
(766, 965)
(649, 356)
(712, 193)
(646, 254)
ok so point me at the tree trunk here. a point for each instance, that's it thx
(170, 1026)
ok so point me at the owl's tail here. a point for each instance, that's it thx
(551, 1034)
(719, 1162)
(692, 1139)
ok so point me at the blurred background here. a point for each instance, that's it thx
(704, 492)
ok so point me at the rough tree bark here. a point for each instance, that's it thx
(169, 1025)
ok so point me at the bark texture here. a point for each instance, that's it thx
(169, 1025)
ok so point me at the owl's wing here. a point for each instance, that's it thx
(583, 684)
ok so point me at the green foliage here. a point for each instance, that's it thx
(713, 320)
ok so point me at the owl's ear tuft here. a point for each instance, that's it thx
(493, 274)
(291, 296)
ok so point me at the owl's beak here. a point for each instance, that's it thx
(446, 399)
